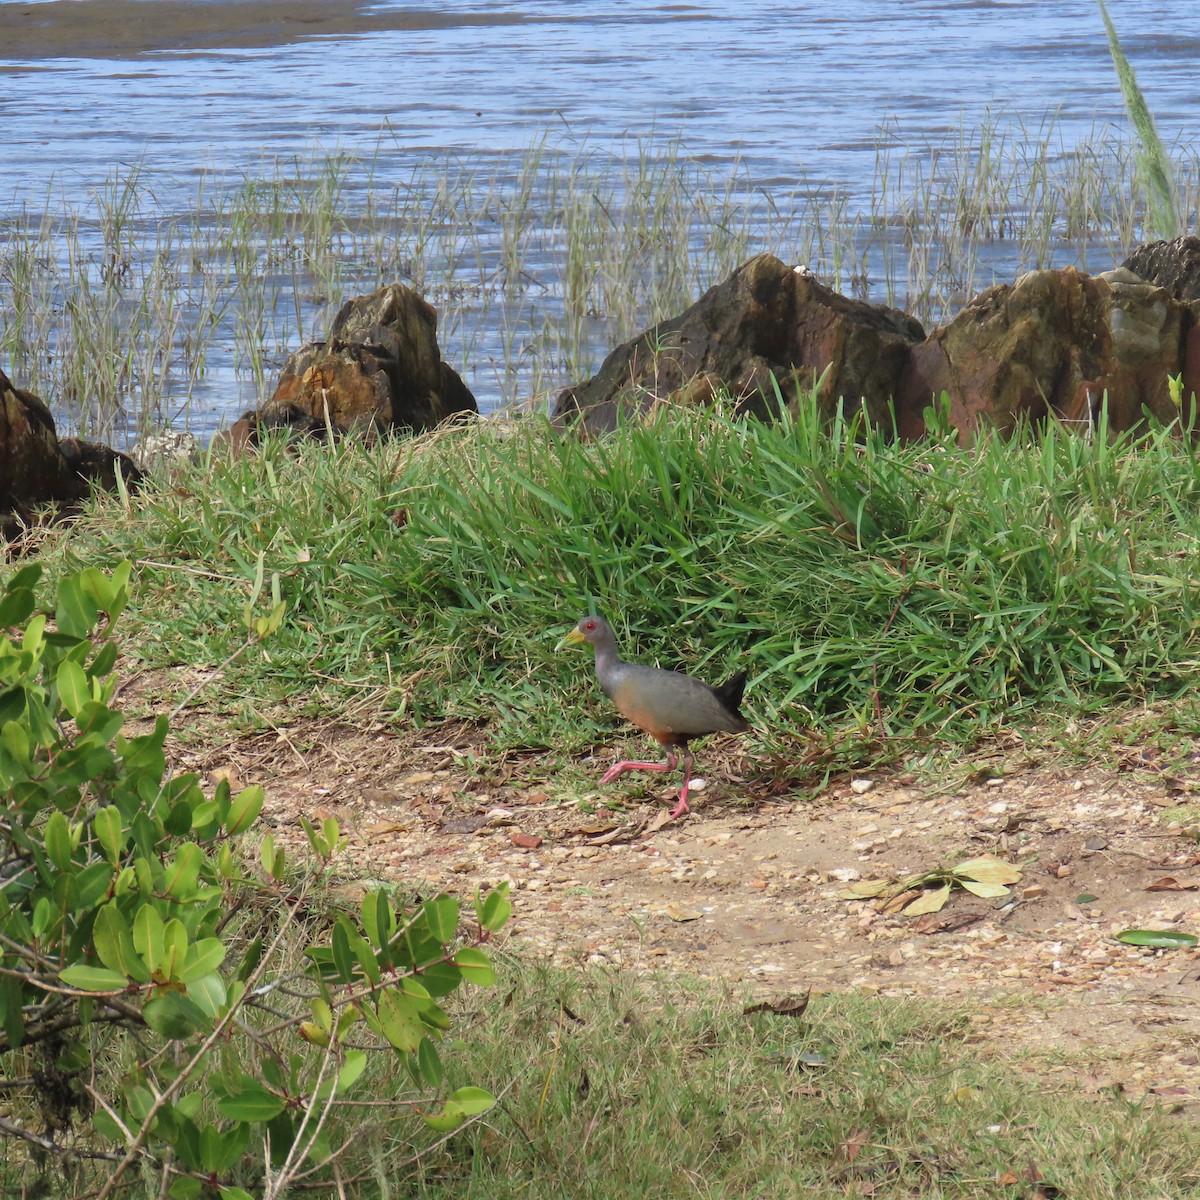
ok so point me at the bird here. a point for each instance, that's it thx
(670, 706)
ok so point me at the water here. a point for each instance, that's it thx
(794, 98)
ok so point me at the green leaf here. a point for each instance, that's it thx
(175, 948)
(109, 830)
(378, 919)
(91, 885)
(243, 812)
(113, 940)
(17, 602)
(399, 1020)
(441, 917)
(252, 1103)
(475, 966)
(202, 958)
(92, 979)
(148, 936)
(352, 1068)
(16, 741)
(429, 1063)
(58, 840)
(1163, 939)
(209, 994)
(461, 1104)
(495, 910)
(77, 609)
(174, 1016)
(73, 688)
(179, 880)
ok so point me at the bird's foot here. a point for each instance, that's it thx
(619, 769)
(681, 807)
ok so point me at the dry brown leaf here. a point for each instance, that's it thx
(944, 922)
(658, 821)
(1168, 883)
(929, 902)
(896, 903)
(787, 1006)
(681, 912)
(463, 825)
(850, 1148)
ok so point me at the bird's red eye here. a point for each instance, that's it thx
(590, 626)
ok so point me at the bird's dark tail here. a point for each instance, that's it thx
(730, 692)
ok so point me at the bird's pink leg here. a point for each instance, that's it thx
(682, 806)
(619, 769)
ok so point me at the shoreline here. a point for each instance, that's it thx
(128, 28)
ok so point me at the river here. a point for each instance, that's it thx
(790, 96)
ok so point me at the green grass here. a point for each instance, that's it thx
(630, 1087)
(888, 598)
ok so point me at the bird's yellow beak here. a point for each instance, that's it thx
(572, 639)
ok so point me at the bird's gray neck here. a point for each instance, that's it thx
(608, 664)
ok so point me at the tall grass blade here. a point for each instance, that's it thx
(1152, 158)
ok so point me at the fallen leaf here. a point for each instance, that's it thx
(526, 841)
(680, 912)
(225, 775)
(387, 827)
(930, 902)
(943, 922)
(658, 820)
(986, 891)
(853, 1144)
(866, 889)
(463, 825)
(896, 903)
(1160, 939)
(987, 869)
(1008, 1179)
(1168, 883)
(788, 1006)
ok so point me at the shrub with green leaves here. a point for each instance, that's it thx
(169, 1003)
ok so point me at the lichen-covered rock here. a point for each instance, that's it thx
(767, 325)
(1173, 266)
(32, 469)
(1054, 343)
(380, 370)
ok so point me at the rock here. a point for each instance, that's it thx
(36, 469)
(32, 470)
(1172, 266)
(1055, 342)
(767, 322)
(94, 463)
(167, 446)
(380, 370)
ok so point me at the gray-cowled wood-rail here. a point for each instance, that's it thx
(671, 707)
